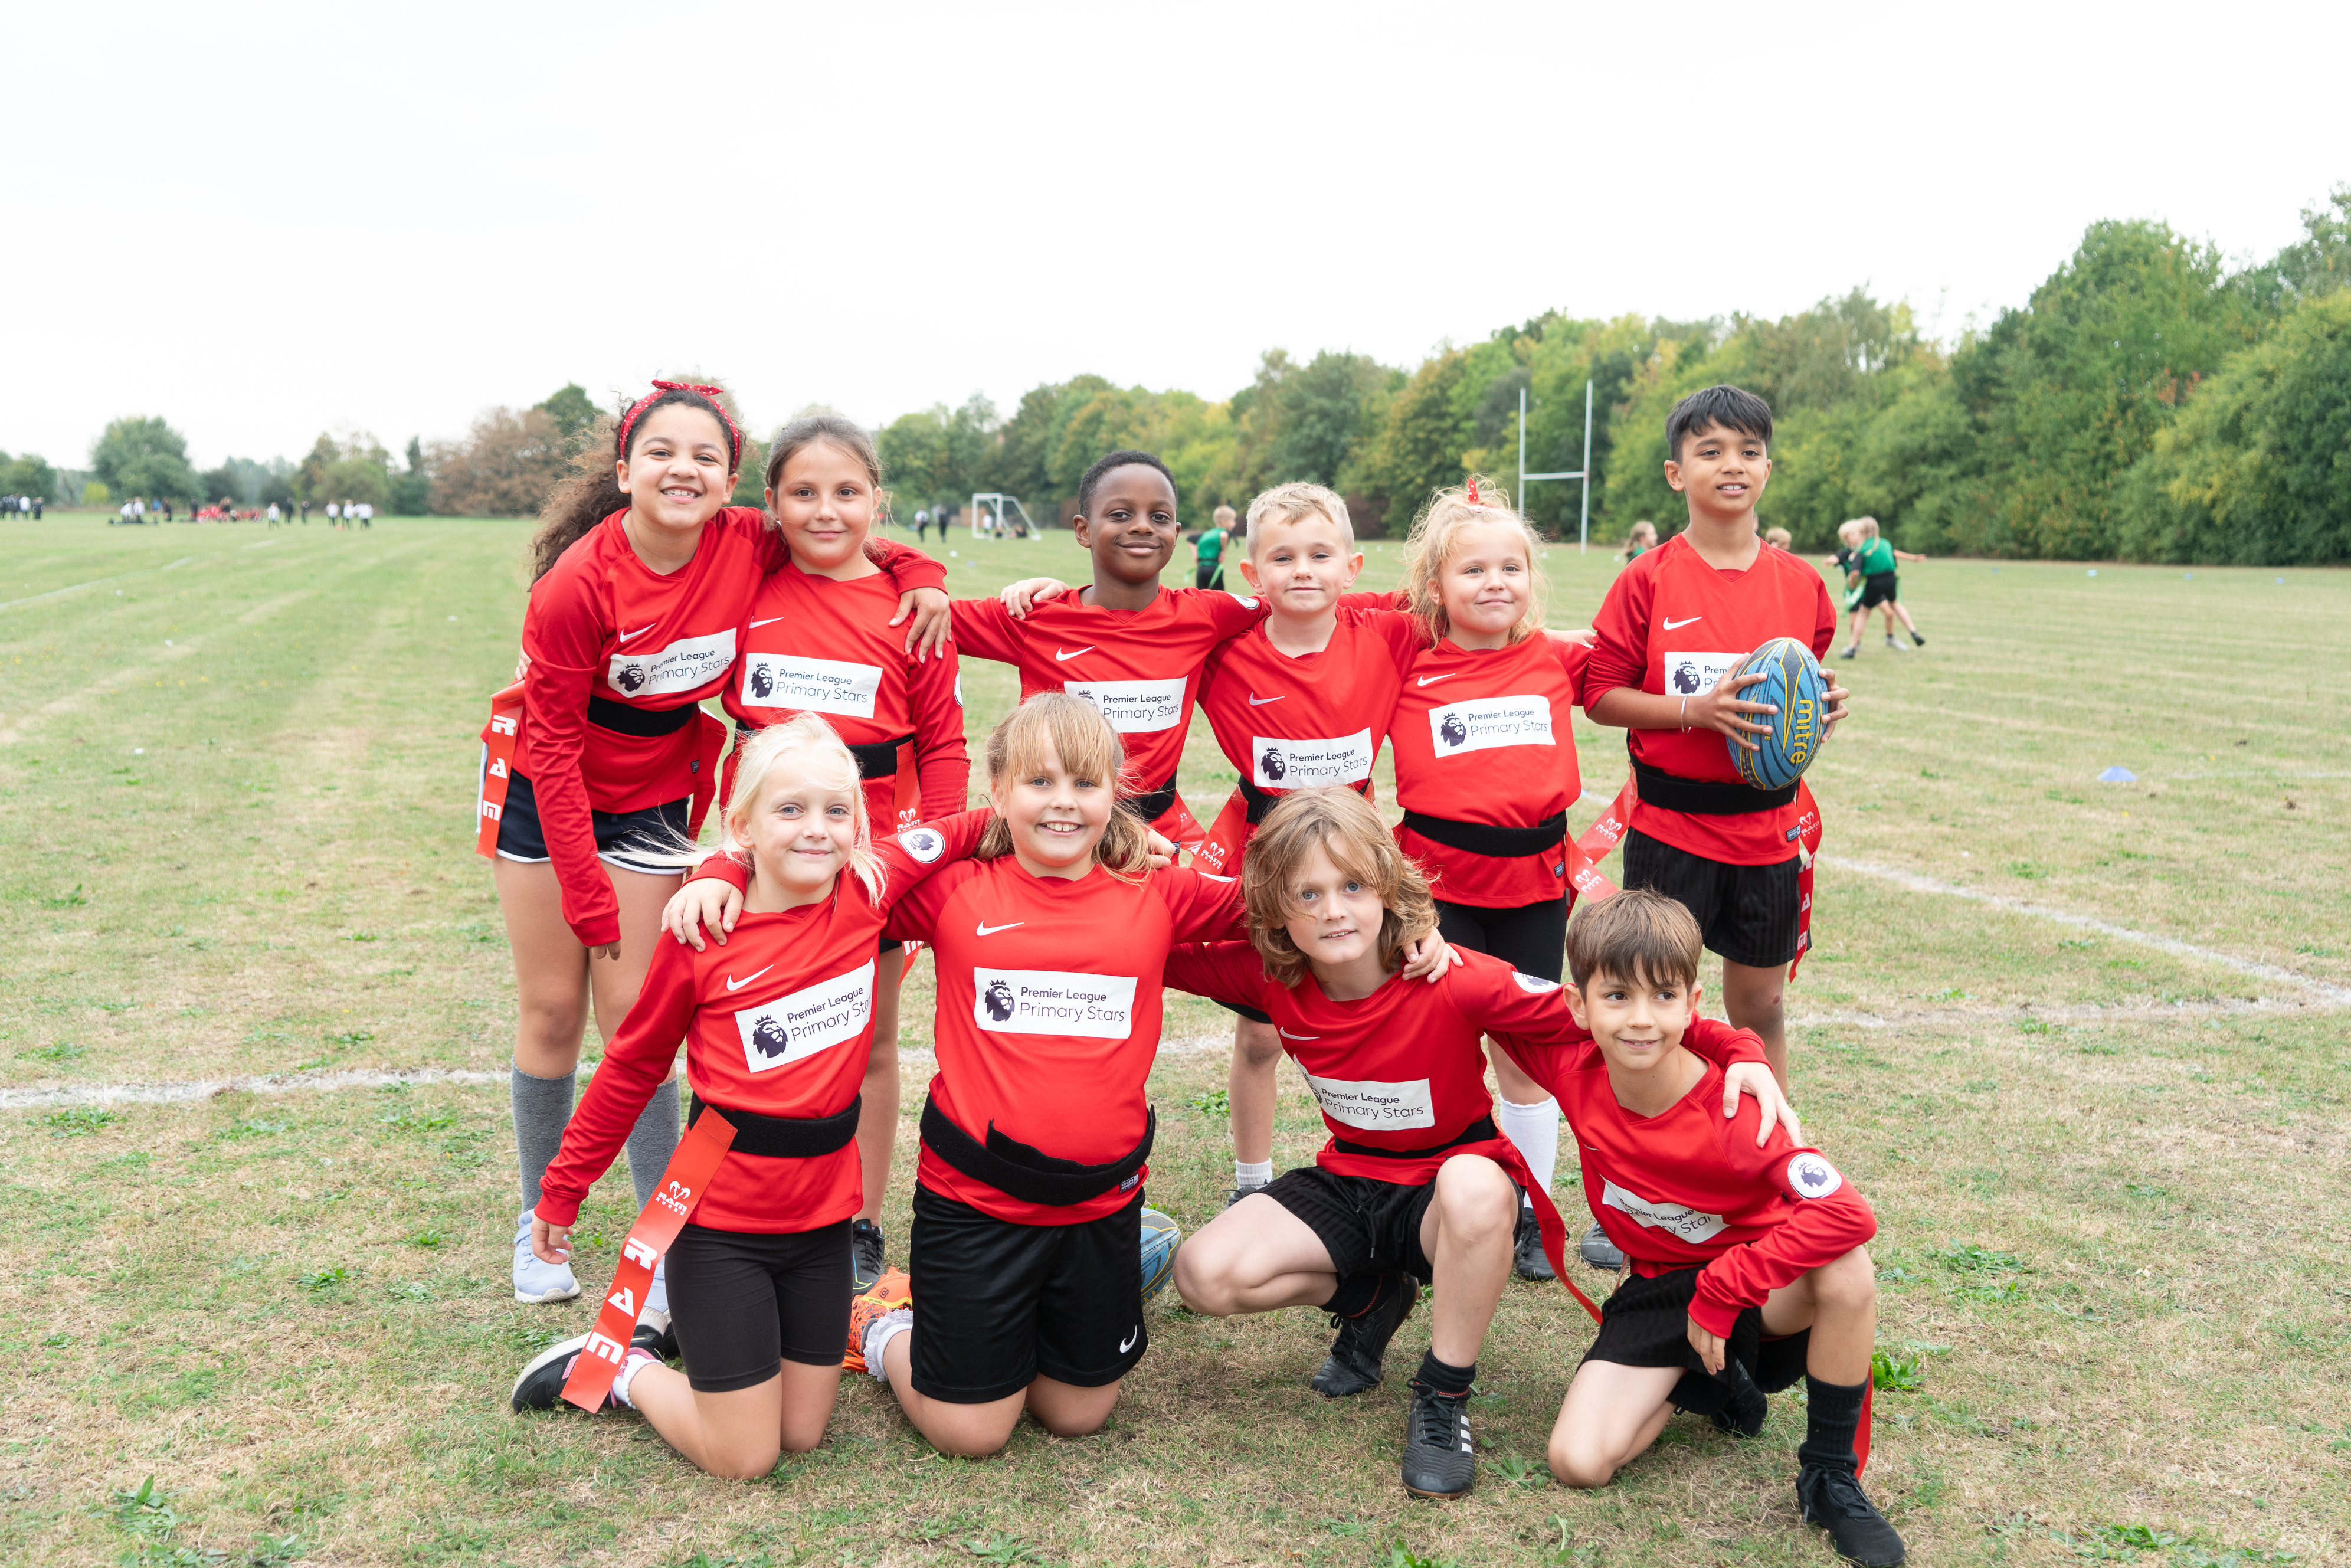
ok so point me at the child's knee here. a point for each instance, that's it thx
(1256, 1045)
(1850, 1280)
(1578, 1464)
(1205, 1281)
(1475, 1195)
(751, 1461)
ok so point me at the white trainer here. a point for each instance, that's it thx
(537, 1283)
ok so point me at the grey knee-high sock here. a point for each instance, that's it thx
(542, 1109)
(652, 1141)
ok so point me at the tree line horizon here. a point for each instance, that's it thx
(2149, 401)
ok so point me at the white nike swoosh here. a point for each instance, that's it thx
(1447, 676)
(769, 622)
(640, 631)
(1287, 1035)
(1072, 653)
(987, 930)
(1128, 1342)
(1256, 701)
(1672, 625)
(735, 984)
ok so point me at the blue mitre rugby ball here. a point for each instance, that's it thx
(1793, 684)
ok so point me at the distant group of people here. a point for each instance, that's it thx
(349, 514)
(26, 506)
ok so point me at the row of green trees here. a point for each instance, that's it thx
(2145, 403)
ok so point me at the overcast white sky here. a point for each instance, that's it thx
(264, 222)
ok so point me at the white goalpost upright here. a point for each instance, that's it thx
(1583, 528)
(990, 505)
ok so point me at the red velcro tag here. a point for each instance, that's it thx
(499, 737)
(698, 1159)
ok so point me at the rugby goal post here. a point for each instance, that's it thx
(988, 516)
(1584, 475)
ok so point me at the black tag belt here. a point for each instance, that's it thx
(1704, 797)
(780, 1137)
(1477, 1132)
(1154, 805)
(879, 761)
(1485, 838)
(1260, 804)
(1029, 1174)
(622, 719)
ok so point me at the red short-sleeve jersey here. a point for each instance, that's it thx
(1301, 722)
(1673, 624)
(1689, 1187)
(1141, 667)
(778, 1022)
(815, 646)
(1401, 1069)
(1489, 736)
(1048, 998)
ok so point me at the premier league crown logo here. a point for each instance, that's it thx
(1273, 764)
(630, 677)
(1686, 677)
(763, 681)
(1454, 731)
(999, 1001)
(770, 1038)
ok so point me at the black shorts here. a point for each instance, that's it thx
(1368, 1226)
(1532, 938)
(1205, 575)
(622, 836)
(1646, 1322)
(999, 1304)
(1750, 915)
(1877, 589)
(744, 1303)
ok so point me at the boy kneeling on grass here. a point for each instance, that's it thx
(1745, 1264)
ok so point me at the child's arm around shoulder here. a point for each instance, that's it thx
(922, 593)
(1745, 1070)
(1230, 972)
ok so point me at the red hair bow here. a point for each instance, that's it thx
(1473, 484)
(629, 420)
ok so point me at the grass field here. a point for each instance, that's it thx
(2107, 1154)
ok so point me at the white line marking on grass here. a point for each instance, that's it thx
(263, 545)
(76, 588)
(360, 1078)
(265, 1084)
(2173, 946)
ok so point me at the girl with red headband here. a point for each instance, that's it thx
(600, 755)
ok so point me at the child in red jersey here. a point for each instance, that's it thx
(644, 580)
(1416, 1182)
(820, 641)
(1674, 624)
(1485, 769)
(1299, 701)
(1747, 1259)
(777, 1024)
(1129, 647)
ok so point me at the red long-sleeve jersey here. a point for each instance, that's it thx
(778, 1022)
(1489, 736)
(815, 646)
(1141, 667)
(1673, 624)
(1689, 1187)
(603, 624)
(1401, 1069)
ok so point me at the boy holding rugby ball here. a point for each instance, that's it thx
(1674, 624)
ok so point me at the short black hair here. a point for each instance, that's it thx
(1728, 406)
(1109, 461)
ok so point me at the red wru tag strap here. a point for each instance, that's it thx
(710, 740)
(1588, 849)
(499, 737)
(698, 1157)
(1808, 847)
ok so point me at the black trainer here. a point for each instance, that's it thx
(1354, 1362)
(1527, 1248)
(1599, 1252)
(866, 1254)
(541, 1386)
(1917, 637)
(1233, 1194)
(1832, 1499)
(1744, 1405)
(1439, 1460)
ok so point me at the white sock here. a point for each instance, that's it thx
(1248, 1173)
(879, 1334)
(636, 1361)
(1534, 1129)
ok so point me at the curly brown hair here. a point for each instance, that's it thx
(1348, 828)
